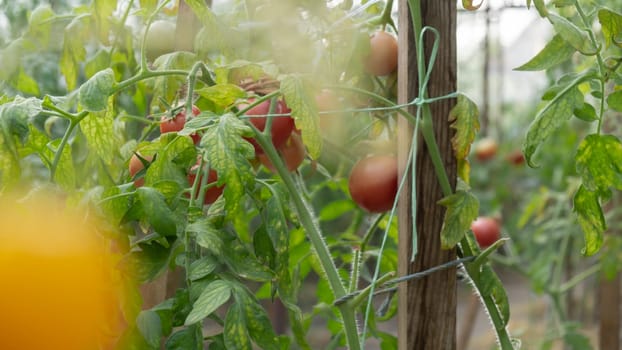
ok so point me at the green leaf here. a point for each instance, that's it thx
(228, 154)
(222, 95)
(586, 113)
(304, 112)
(336, 209)
(462, 209)
(214, 34)
(213, 296)
(147, 263)
(168, 85)
(202, 268)
(74, 49)
(40, 26)
(174, 157)
(490, 285)
(99, 62)
(188, 338)
(258, 323)
(207, 235)
(103, 11)
(93, 95)
(245, 264)
(158, 213)
(576, 37)
(98, 128)
(550, 118)
(235, 333)
(599, 162)
(9, 165)
(555, 52)
(611, 24)
(114, 208)
(614, 100)
(149, 325)
(591, 218)
(65, 174)
(541, 7)
(25, 83)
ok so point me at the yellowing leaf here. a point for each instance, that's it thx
(611, 23)
(304, 112)
(229, 155)
(93, 95)
(549, 119)
(235, 333)
(591, 219)
(599, 162)
(468, 5)
(98, 128)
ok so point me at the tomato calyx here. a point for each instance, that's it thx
(138, 166)
(175, 120)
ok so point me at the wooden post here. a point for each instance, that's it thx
(609, 307)
(427, 307)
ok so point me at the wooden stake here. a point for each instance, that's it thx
(427, 307)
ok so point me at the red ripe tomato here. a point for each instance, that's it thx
(373, 183)
(382, 58)
(177, 123)
(292, 152)
(486, 231)
(212, 193)
(486, 149)
(282, 126)
(137, 165)
(516, 157)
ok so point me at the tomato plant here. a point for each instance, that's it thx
(373, 183)
(241, 238)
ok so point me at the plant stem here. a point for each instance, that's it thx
(143, 75)
(307, 220)
(599, 59)
(75, 120)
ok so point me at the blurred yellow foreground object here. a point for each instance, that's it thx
(56, 279)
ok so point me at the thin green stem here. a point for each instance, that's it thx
(308, 221)
(370, 231)
(573, 282)
(356, 267)
(75, 120)
(143, 75)
(601, 64)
